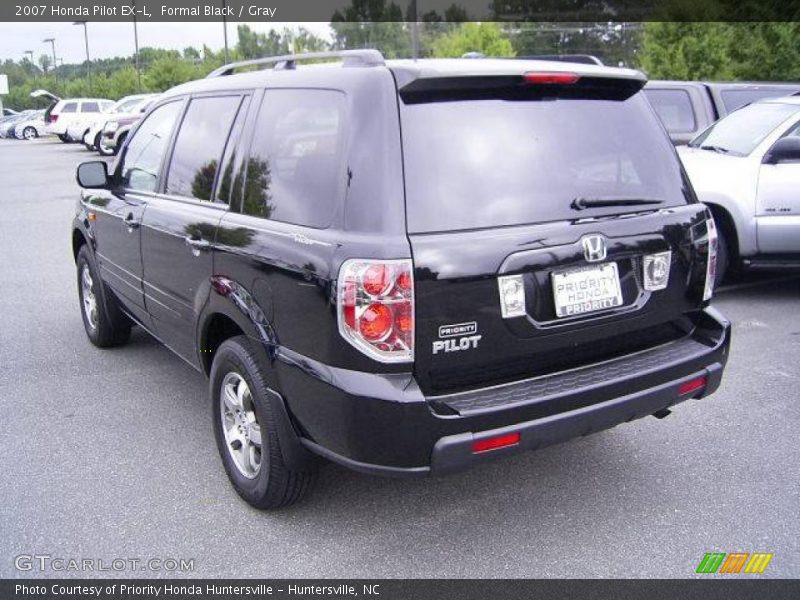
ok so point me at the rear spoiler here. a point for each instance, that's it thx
(523, 86)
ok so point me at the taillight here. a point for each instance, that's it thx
(375, 303)
(711, 267)
(551, 78)
(52, 118)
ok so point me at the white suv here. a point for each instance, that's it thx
(73, 111)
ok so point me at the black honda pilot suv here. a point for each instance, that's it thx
(405, 267)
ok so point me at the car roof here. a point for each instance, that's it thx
(794, 100)
(85, 100)
(404, 70)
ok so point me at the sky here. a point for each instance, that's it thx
(107, 40)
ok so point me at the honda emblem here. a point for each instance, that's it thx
(594, 248)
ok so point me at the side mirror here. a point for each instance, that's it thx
(784, 150)
(92, 174)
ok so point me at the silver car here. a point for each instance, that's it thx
(746, 168)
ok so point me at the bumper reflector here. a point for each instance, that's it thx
(493, 443)
(693, 385)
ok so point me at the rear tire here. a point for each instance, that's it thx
(104, 322)
(63, 137)
(95, 143)
(29, 133)
(248, 438)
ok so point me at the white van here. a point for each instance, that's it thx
(73, 111)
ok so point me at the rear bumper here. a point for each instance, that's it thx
(384, 425)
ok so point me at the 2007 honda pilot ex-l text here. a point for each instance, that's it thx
(405, 267)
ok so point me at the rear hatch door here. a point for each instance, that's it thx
(542, 203)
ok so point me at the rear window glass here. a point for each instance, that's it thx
(295, 168)
(733, 99)
(489, 163)
(674, 108)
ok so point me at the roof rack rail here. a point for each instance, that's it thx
(350, 58)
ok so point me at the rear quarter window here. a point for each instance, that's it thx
(295, 169)
(69, 107)
(674, 108)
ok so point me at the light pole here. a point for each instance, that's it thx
(225, 28)
(33, 66)
(136, 55)
(86, 40)
(53, 45)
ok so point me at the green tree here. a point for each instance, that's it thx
(487, 38)
(687, 50)
(372, 24)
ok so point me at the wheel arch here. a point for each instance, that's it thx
(724, 220)
(231, 310)
(78, 240)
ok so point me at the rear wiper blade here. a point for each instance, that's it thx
(582, 203)
(718, 149)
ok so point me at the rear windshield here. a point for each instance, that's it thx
(733, 99)
(674, 108)
(489, 163)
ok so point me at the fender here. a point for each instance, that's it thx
(742, 218)
(233, 300)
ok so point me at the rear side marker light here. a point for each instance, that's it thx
(693, 385)
(375, 306)
(554, 78)
(496, 442)
(656, 270)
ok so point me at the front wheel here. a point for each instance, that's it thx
(104, 322)
(29, 133)
(246, 431)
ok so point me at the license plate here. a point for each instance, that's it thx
(586, 290)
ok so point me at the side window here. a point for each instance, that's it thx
(295, 167)
(794, 131)
(90, 107)
(140, 166)
(674, 108)
(199, 145)
(70, 107)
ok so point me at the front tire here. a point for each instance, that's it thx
(103, 321)
(723, 258)
(63, 137)
(248, 438)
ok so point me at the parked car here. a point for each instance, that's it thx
(129, 105)
(746, 168)
(74, 112)
(687, 107)
(7, 125)
(114, 131)
(31, 127)
(8, 112)
(405, 301)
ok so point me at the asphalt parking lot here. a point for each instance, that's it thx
(110, 454)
